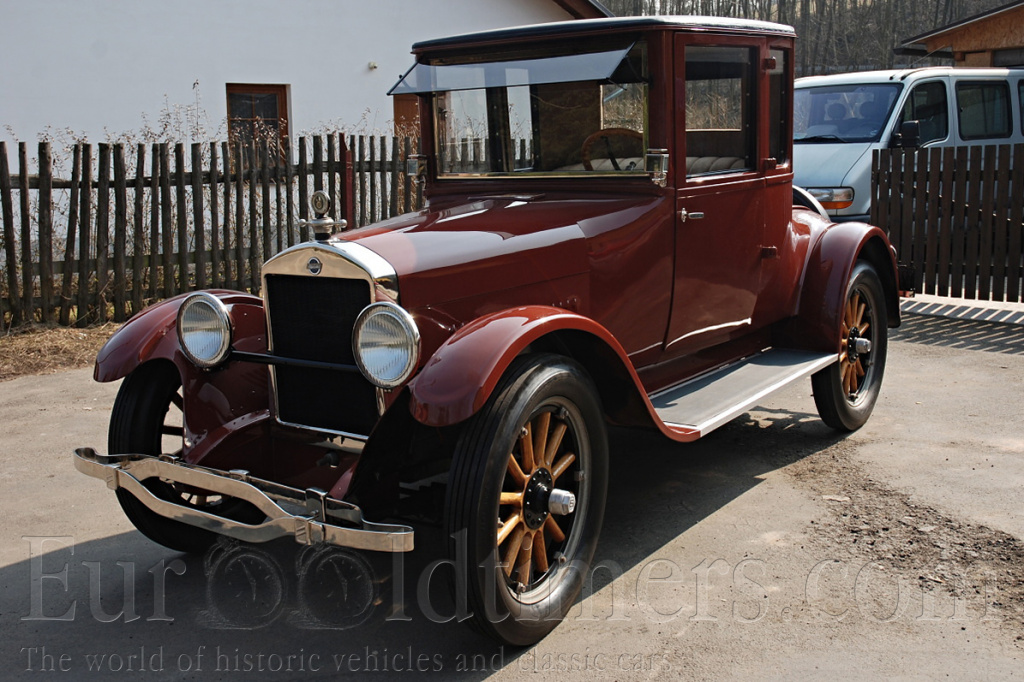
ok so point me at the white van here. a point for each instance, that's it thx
(839, 119)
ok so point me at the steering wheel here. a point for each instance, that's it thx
(604, 134)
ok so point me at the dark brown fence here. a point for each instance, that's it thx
(957, 215)
(133, 225)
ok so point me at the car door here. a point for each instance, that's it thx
(719, 205)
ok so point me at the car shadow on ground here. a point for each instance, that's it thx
(123, 603)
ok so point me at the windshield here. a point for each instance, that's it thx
(843, 113)
(517, 121)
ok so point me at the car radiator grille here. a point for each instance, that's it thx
(311, 318)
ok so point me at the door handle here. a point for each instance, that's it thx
(685, 215)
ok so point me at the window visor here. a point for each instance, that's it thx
(593, 66)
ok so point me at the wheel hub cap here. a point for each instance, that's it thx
(857, 345)
(561, 502)
(535, 499)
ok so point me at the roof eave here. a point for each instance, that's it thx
(935, 33)
(921, 50)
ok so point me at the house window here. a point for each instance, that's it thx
(257, 112)
(1010, 57)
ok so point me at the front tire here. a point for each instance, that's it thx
(846, 391)
(147, 420)
(521, 554)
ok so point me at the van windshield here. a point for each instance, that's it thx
(843, 113)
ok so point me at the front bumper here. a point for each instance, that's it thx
(309, 516)
(859, 218)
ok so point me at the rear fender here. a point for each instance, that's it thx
(461, 375)
(826, 277)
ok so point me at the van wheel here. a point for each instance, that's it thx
(526, 499)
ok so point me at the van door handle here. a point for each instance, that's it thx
(695, 215)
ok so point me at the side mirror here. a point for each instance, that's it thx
(656, 163)
(909, 136)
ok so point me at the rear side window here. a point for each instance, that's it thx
(719, 109)
(778, 86)
(984, 109)
(928, 105)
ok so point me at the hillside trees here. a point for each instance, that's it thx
(833, 35)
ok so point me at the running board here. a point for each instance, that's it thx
(703, 404)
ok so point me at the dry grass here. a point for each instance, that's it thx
(45, 350)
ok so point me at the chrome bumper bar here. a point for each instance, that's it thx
(309, 516)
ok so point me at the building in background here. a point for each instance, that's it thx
(195, 70)
(993, 38)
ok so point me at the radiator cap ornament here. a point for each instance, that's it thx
(322, 224)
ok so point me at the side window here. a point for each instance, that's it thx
(779, 100)
(1020, 96)
(983, 109)
(927, 104)
(720, 110)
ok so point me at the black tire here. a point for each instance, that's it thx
(488, 530)
(146, 419)
(845, 392)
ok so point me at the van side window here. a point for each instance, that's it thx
(984, 109)
(928, 105)
(719, 109)
(1020, 96)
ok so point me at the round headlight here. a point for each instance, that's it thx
(386, 344)
(204, 329)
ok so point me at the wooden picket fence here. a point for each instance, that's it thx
(114, 238)
(956, 215)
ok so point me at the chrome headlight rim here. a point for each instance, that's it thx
(222, 318)
(410, 340)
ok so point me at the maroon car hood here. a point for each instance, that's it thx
(485, 244)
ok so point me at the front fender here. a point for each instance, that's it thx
(219, 403)
(461, 375)
(826, 277)
(152, 335)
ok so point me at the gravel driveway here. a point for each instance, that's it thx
(774, 548)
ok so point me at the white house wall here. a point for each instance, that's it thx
(98, 66)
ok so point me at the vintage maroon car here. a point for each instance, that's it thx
(610, 237)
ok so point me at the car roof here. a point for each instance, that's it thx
(612, 24)
(902, 75)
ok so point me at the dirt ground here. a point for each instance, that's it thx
(44, 350)
(773, 549)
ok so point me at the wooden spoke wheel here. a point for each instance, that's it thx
(604, 136)
(845, 393)
(526, 499)
(542, 465)
(147, 419)
(855, 353)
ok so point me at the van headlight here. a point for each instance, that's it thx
(204, 330)
(832, 198)
(386, 344)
